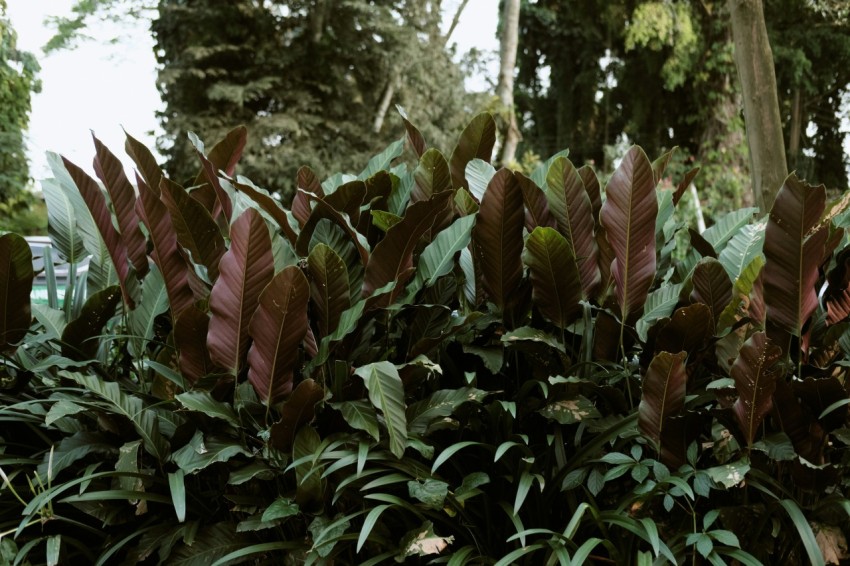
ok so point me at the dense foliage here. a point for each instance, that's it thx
(433, 362)
(18, 80)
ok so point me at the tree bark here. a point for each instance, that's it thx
(754, 60)
(505, 87)
(386, 99)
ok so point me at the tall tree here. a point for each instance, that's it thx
(18, 80)
(508, 42)
(754, 59)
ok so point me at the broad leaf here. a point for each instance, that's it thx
(793, 253)
(414, 136)
(431, 176)
(536, 208)
(361, 416)
(662, 397)
(497, 238)
(591, 185)
(440, 404)
(837, 295)
(80, 337)
(755, 373)
(392, 258)
(166, 253)
(130, 406)
(712, 288)
(62, 221)
(153, 302)
(298, 410)
(190, 336)
(742, 249)
(203, 402)
(277, 327)
(727, 226)
(329, 287)
(245, 270)
(271, 207)
(309, 184)
(386, 394)
(222, 157)
(16, 276)
(438, 257)
(202, 451)
(207, 544)
(570, 205)
(659, 304)
(194, 228)
(689, 329)
(476, 140)
(628, 217)
(324, 211)
(111, 172)
(555, 279)
(145, 161)
(96, 203)
(479, 173)
(383, 160)
(347, 199)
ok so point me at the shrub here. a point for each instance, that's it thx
(441, 363)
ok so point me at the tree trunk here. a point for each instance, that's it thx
(505, 88)
(386, 99)
(754, 60)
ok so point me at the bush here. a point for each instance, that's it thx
(441, 363)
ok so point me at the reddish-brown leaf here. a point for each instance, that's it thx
(701, 245)
(805, 432)
(222, 157)
(570, 205)
(476, 141)
(244, 272)
(628, 217)
(190, 337)
(818, 394)
(324, 210)
(16, 276)
(536, 208)
(166, 253)
(144, 160)
(755, 373)
(712, 287)
(111, 172)
(684, 184)
(392, 258)
(277, 328)
(792, 253)
(837, 295)
(497, 237)
(194, 228)
(96, 203)
(309, 184)
(347, 199)
(80, 337)
(662, 396)
(689, 329)
(329, 287)
(271, 207)
(414, 136)
(555, 279)
(591, 185)
(299, 409)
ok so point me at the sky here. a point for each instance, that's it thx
(101, 86)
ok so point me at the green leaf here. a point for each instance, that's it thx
(805, 530)
(209, 545)
(383, 160)
(727, 226)
(280, 508)
(476, 141)
(555, 278)
(478, 174)
(62, 223)
(431, 176)
(369, 523)
(203, 401)
(438, 257)
(659, 304)
(570, 411)
(154, 302)
(730, 475)
(439, 405)
(386, 393)
(431, 492)
(201, 452)
(359, 415)
(144, 420)
(72, 449)
(742, 249)
(423, 542)
(178, 494)
(450, 451)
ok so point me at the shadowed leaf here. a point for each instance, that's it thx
(837, 295)
(806, 434)
(322, 211)
(536, 208)
(792, 254)
(194, 228)
(271, 207)
(307, 181)
(662, 397)
(476, 141)
(79, 339)
(111, 172)
(591, 185)
(555, 280)
(144, 160)
(712, 288)
(689, 329)
(245, 270)
(755, 374)
(392, 258)
(190, 337)
(16, 276)
(347, 199)
(497, 238)
(277, 327)
(297, 410)
(166, 254)
(628, 217)
(329, 287)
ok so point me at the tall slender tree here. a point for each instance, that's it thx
(508, 42)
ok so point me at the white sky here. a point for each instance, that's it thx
(103, 86)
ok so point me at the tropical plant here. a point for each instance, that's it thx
(437, 363)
